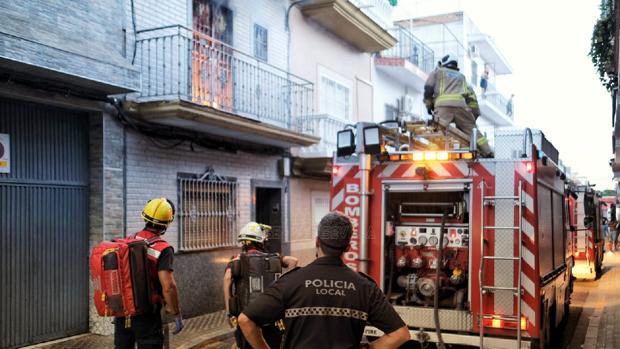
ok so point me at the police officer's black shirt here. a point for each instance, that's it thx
(324, 305)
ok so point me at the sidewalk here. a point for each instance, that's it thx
(604, 323)
(198, 332)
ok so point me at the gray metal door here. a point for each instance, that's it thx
(43, 224)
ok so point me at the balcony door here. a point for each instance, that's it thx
(212, 56)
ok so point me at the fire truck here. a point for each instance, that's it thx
(588, 246)
(469, 250)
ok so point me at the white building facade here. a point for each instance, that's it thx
(456, 34)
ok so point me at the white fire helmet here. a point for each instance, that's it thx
(254, 232)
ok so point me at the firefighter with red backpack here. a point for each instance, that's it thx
(133, 279)
(248, 274)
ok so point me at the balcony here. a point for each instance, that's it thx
(193, 81)
(494, 107)
(324, 127)
(487, 49)
(361, 23)
(315, 161)
(409, 62)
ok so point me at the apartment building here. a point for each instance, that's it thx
(399, 76)
(455, 33)
(331, 45)
(206, 113)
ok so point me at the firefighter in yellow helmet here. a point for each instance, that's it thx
(253, 263)
(447, 93)
(147, 329)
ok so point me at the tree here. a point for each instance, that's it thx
(602, 46)
(609, 192)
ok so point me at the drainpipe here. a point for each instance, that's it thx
(287, 28)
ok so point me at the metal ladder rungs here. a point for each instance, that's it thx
(500, 288)
(489, 198)
(501, 228)
(500, 317)
(501, 258)
(517, 290)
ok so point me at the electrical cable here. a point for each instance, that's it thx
(135, 35)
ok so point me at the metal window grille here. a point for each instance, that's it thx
(260, 42)
(335, 98)
(208, 213)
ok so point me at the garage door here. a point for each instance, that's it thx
(43, 224)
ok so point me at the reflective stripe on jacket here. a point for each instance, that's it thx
(449, 88)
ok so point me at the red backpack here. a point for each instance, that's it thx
(120, 274)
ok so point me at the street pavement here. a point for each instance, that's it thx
(594, 320)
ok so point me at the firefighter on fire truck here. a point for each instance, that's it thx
(248, 274)
(450, 99)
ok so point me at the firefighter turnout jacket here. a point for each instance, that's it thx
(446, 87)
(324, 305)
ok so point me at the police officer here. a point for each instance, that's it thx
(447, 93)
(325, 304)
(243, 272)
(147, 330)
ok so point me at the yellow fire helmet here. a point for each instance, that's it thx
(159, 211)
(253, 232)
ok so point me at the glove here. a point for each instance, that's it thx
(178, 323)
(232, 320)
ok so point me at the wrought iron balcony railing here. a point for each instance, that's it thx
(179, 63)
(325, 127)
(496, 98)
(412, 49)
(379, 11)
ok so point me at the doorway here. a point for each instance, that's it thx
(268, 210)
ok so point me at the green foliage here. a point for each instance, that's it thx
(393, 2)
(609, 192)
(602, 46)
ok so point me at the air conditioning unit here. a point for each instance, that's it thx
(406, 105)
(474, 51)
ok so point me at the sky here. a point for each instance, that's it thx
(555, 84)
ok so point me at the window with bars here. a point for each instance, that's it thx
(208, 212)
(260, 42)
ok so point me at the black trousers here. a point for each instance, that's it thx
(146, 331)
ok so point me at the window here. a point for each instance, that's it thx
(207, 212)
(320, 207)
(335, 97)
(260, 42)
(391, 112)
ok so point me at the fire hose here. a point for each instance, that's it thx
(440, 343)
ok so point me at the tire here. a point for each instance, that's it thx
(544, 342)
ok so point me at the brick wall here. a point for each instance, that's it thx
(106, 211)
(152, 172)
(82, 38)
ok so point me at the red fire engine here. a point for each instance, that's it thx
(468, 250)
(588, 233)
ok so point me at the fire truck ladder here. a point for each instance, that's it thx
(484, 288)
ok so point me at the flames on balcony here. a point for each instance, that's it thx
(180, 63)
